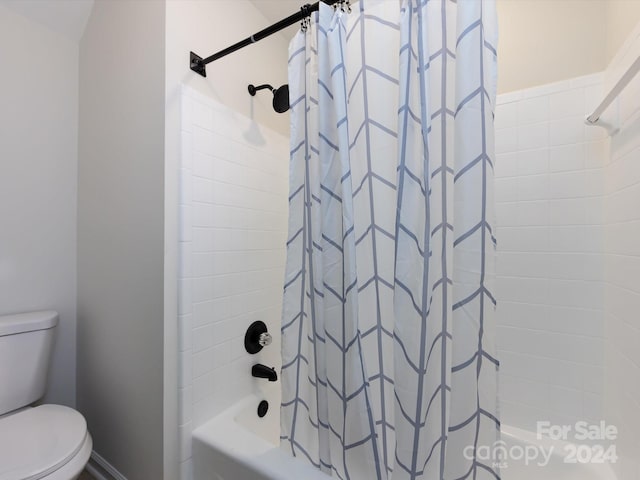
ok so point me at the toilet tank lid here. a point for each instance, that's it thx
(27, 322)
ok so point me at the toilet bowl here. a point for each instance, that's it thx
(46, 442)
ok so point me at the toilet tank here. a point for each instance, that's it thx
(26, 340)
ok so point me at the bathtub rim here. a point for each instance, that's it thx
(234, 441)
(509, 433)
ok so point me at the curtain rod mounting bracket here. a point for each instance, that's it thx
(197, 65)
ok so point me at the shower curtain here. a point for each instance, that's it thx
(389, 369)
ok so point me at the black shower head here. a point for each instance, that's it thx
(281, 99)
(280, 96)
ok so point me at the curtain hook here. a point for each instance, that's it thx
(306, 19)
(344, 5)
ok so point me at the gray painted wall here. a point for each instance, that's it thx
(38, 168)
(120, 234)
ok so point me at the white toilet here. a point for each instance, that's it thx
(47, 442)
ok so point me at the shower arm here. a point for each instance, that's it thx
(253, 89)
(198, 64)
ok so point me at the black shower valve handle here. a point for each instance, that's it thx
(257, 337)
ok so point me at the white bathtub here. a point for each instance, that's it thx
(238, 445)
(555, 469)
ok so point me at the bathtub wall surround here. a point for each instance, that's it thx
(204, 26)
(233, 228)
(549, 186)
(622, 266)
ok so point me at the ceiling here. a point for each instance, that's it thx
(67, 17)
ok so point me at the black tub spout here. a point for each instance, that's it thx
(262, 371)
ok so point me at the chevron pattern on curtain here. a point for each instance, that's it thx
(389, 368)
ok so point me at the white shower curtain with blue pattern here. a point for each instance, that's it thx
(389, 369)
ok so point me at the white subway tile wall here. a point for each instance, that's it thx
(550, 267)
(622, 271)
(233, 229)
(568, 228)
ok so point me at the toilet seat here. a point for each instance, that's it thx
(36, 442)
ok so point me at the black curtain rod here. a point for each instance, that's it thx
(198, 64)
